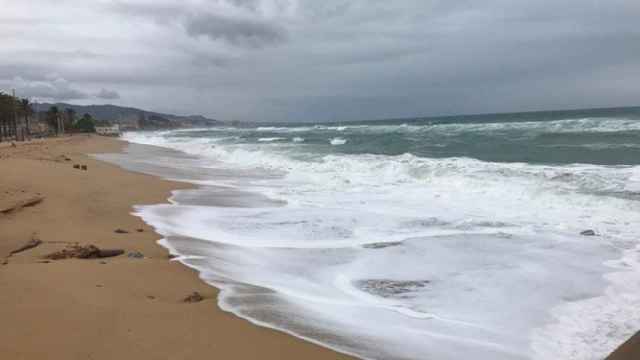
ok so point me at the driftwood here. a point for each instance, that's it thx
(58, 159)
(84, 252)
(34, 242)
(33, 201)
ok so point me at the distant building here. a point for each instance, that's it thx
(38, 126)
(113, 130)
(129, 124)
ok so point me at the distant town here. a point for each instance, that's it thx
(21, 119)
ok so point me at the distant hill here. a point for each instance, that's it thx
(128, 115)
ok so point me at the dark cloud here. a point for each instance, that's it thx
(56, 89)
(240, 32)
(245, 30)
(108, 94)
(252, 5)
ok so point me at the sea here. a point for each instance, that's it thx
(443, 238)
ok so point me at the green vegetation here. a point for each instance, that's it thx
(14, 115)
(52, 118)
(21, 119)
(85, 124)
(65, 121)
(69, 118)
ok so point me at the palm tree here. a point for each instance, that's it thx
(27, 111)
(69, 118)
(3, 116)
(53, 115)
(8, 125)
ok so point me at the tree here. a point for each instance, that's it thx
(69, 118)
(27, 111)
(5, 101)
(53, 117)
(8, 123)
(86, 124)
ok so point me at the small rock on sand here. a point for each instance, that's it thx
(121, 231)
(194, 298)
(136, 255)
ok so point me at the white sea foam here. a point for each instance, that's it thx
(271, 139)
(531, 128)
(558, 126)
(401, 257)
(584, 125)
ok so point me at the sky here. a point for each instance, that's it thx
(323, 60)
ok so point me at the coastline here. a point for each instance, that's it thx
(124, 307)
(120, 307)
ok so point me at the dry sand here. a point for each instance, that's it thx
(116, 308)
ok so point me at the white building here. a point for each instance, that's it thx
(113, 130)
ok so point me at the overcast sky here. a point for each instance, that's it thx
(314, 60)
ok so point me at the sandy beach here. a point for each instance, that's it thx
(115, 308)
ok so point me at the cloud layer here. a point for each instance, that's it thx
(304, 60)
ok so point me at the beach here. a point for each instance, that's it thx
(133, 305)
(124, 307)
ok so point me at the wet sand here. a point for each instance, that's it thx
(630, 350)
(114, 308)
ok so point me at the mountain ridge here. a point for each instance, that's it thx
(123, 115)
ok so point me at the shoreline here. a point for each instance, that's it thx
(121, 307)
(79, 309)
